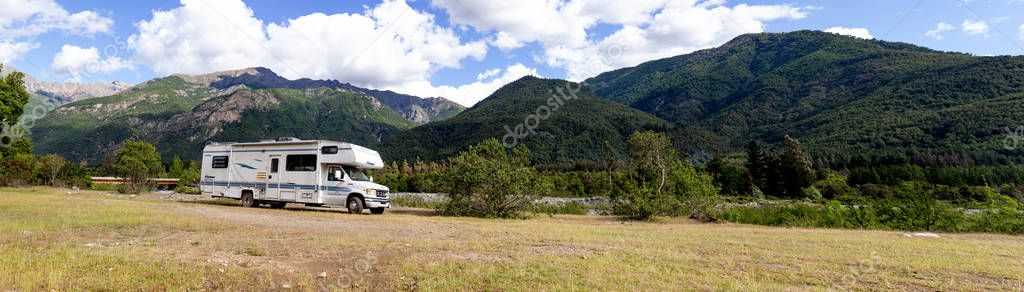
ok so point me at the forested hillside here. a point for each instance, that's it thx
(180, 116)
(846, 99)
(575, 128)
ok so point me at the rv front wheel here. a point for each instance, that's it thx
(247, 200)
(355, 205)
(376, 211)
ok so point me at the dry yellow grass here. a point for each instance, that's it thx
(96, 241)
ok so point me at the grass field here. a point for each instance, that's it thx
(50, 239)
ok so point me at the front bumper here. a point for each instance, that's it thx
(373, 202)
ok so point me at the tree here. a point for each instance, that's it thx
(19, 145)
(796, 169)
(609, 163)
(696, 194)
(177, 168)
(17, 169)
(13, 98)
(49, 168)
(137, 162)
(756, 164)
(661, 184)
(651, 155)
(730, 179)
(489, 181)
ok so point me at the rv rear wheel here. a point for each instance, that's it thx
(248, 201)
(277, 205)
(355, 205)
(376, 211)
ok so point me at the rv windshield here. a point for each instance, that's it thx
(356, 174)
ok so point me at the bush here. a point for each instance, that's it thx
(489, 181)
(662, 185)
(641, 202)
(915, 208)
(137, 162)
(18, 169)
(695, 192)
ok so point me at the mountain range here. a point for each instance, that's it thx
(841, 96)
(845, 99)
(181, 113)
(49, 95)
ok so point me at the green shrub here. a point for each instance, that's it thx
(641, 202)
(489, 181)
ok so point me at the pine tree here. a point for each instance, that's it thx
(609, 163)
(796, 167)
(756, 164)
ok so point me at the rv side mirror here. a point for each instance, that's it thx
(371, 178)
(338, 175)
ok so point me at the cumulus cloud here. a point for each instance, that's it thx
(392, 46)
(389, 46)
(650, 29)
(20, 18)
(488, 74)
(470, 94)
(939, 29)
(10, 51)
(75, 60)
(854, 32)
(24, 19)
(979, 27)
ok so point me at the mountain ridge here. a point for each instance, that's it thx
(417, 109)
(841, 96)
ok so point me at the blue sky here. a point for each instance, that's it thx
(459, 49)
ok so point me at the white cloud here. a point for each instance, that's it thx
(651, 29)
(389, 46)
(23, 18)
(975, 27)
(76, 60)
(505, 42)
(470, 94)
(392, 46)
(9, 51)
(488, 74)
(939, 29)
(854, 32)
(1021, 31)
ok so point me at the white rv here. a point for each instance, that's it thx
(289, 170)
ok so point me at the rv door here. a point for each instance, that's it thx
(274, 178)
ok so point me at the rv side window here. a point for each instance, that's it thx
(273, 165)
(306, 162)
(329, 150)
(220, 162)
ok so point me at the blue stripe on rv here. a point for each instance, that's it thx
(273, 185)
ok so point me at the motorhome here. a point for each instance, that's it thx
(290, 170)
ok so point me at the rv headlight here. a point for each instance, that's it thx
(370, 192)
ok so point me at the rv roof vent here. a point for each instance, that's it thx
(288, 139)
